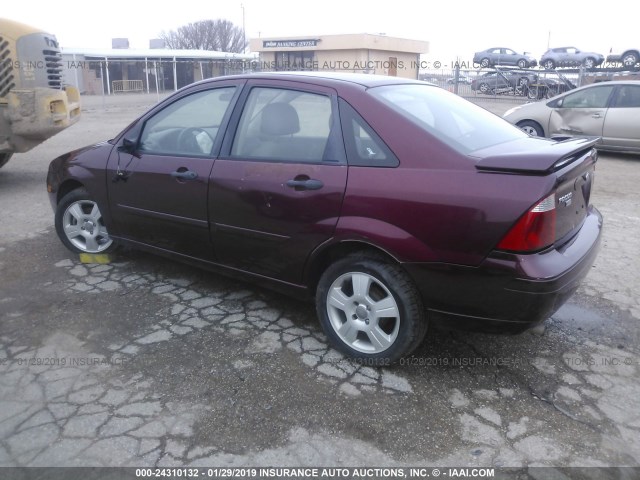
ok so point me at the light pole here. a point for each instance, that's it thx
(244, 32)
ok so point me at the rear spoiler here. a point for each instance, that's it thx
(539, 159)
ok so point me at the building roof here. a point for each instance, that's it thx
(156, 53)
(349, 41)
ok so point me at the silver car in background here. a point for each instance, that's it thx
(569, 57)
(628, 58)
(610, 110)
(503, 56)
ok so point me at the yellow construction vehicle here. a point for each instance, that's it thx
(34, 103)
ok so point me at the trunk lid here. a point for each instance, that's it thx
(573, 194)
(572, 162)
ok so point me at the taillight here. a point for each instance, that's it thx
(535, 230)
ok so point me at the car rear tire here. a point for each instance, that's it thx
(370, 309)
(532, 128)
(485, 62)
(79, 224)
(484, 88)
(4, 158)
(630, 59)
(549, 64)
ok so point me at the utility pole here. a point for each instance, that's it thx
(244, 32)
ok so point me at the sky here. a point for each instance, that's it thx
(455, 28)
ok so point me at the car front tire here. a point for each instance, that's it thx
(589, 62)
(532, 128)
(485, 62)
(79, 224)
(370, 309)
(522, 63)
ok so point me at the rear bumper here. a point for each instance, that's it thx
(508, 293)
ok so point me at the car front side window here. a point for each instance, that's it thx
(597, 97)
(189, 126)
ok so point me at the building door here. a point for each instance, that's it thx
(393, 67)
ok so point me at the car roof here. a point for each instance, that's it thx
(613, 82)
(327, 78)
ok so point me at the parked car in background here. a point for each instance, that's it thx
(569, 57)
(503, 56)
(628, 58)
(546, 86)
(434, 80)
(461, 79)
(391, 203)
(609, 110)
(502, 81)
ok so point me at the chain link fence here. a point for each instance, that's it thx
(517, 85)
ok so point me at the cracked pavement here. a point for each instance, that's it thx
(146, 362)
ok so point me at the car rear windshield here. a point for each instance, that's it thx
(461, 124)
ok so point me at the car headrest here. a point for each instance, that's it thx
(279, 119)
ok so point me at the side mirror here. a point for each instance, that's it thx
(555, 103)
(128, 146)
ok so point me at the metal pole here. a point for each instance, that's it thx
(155, 68)
(175, 75)
(106, 67)
(102, 84)
(244, 32)
(456, 78)
(146, 72)
(75, 71)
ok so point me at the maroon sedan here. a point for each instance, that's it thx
(393, 202)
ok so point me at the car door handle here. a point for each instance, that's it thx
(186, 175)
(596, 115)
(309, 184)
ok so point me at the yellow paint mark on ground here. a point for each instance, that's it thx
(100, 258)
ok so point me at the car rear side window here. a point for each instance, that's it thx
(628, 96)
(285, 125)
(364, 146)
(188, 126)
(453, 120)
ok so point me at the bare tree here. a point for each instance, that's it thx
(221, 35)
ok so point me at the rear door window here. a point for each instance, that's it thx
(628, 96)
(285, 125)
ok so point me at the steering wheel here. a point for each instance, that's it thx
(188, 141)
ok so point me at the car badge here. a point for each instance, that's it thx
(566, 199)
